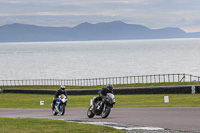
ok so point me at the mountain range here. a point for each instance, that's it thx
(116, 30)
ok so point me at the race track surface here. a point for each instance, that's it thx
(177, 118)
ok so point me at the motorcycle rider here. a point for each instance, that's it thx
(59, 92)
(102, 94)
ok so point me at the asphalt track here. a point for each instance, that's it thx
(176, 118)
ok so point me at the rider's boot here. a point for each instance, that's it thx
(93, 106)
(53, 104)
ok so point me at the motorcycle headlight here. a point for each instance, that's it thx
(63, 100)
(113, 100)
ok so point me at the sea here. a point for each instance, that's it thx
(98, 59)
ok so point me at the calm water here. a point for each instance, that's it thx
(95, 59)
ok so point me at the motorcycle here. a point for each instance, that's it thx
(61, 102)
(103, 107)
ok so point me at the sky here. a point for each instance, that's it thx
(154, 14)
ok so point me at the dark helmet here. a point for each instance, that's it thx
(62, 87)
(110, 87)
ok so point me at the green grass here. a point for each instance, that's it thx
(100, 86)
(27, 125)
(157, 100)
(10, 100)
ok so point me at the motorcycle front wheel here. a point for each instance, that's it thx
(106, 111)
(90, 114)
(62, 111)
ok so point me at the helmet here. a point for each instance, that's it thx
(110, 87)
(62, 87)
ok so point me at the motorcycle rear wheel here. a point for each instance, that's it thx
(90, 114)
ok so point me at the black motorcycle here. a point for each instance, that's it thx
(103, 107)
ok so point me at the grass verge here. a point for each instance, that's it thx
(11, 100)
(27, 125)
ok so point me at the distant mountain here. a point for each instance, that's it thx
(116, 30)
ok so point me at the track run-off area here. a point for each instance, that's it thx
(148, 118)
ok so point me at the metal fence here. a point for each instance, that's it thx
(160, 78)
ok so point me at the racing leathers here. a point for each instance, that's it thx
(102, 94)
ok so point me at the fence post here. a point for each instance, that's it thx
(151, 79)
(146, 79)
(159, 78)
(164, 77)
(168, 78)
(184, 77)
(178, 78)
(142, 79)
(100, 81)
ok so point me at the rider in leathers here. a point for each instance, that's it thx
(59, 92)
(102, 94)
